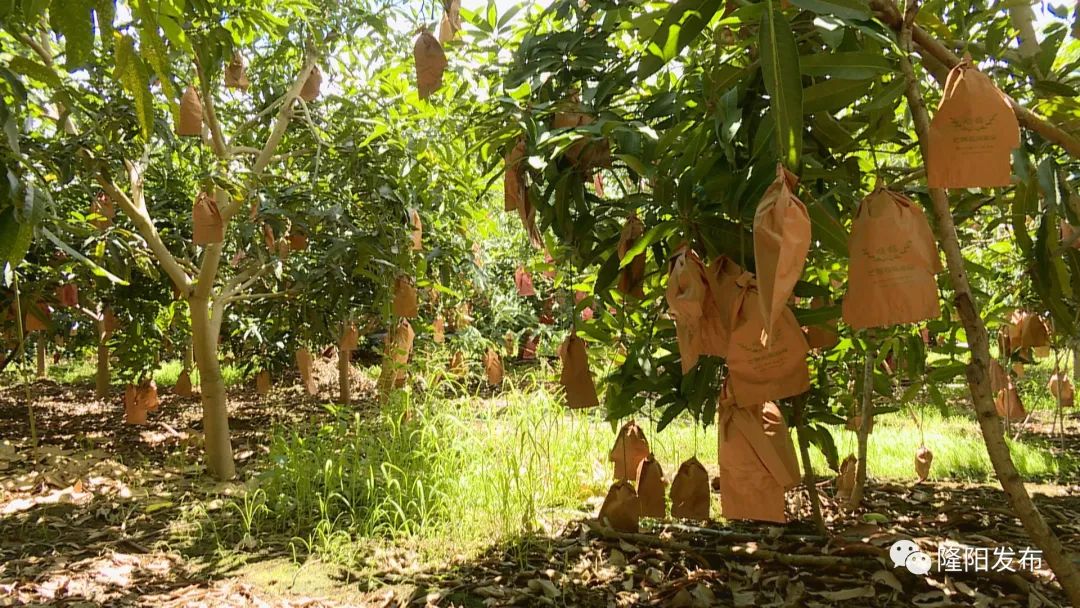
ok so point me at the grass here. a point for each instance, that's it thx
(82, 371)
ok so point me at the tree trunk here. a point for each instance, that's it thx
(219, 456)
(189, 356)
(42, 364)
(344, 369)
(102, 377)
(866, 419)
(1076, 362)
(979, 343)
(809, 477)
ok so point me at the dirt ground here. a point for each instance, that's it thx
(99, 515)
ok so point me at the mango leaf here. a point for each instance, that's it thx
(826, 228)
(74, 20)
(656, 233)
(132, 74)
(33, 69)
(683, 22)
(852, 65)
(846, 9)
(94, 268)
(780, 68)
(153, 51)
(15, 237)
(833, 94)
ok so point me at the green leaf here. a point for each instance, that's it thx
(94, 268)
(852, 66)
(15, 237)
(683, 22)
(654, 234)
(132, 74)
(33, 69)
(74, 20)
(826, 228)
(833, 94)
(846, 9)
(780, 68)
(153, 51)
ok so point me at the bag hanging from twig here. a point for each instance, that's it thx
(758, 373)
(207, 224)
(629, 450)
(405, 304)
(1007, 403)
(102, 205)
(723, 292)
(312, 86)
(845, 479)
(972, 134)
(622, 508)
(510, 344)
(690, 491)
(757, 460)
(417, 232)
(523, 282)
(854, 422)
(191, 114)
(999, 378)
(457, 364)
(67, 295)
(781, 242)
(822, 336)
(438, 330)
(236, 73)
(651, 488)
(396, 358)
(893, 263)
(298, 240)
(1028, 330)
(1067, 235)
(451, 20)
(528, 347)
(183, 385)
(575, 379)
(462, 316)
(1062, 389)
(586, 153)
(109, 321)
(134, 409)
(146, 395)
(923, 459)
(350, 337)
(306, 364)
(262, 382)
(32, 322)
(686, 291)
(430, 64)
(632, 276)
(515, 188)
(493, 367)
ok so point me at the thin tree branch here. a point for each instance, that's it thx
(217, 138)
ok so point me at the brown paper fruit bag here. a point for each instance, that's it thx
(972, 134)
(207, 224)
(236, 73)
(690, 491)
(417, 233)
(262, 382)
(183, 385)
(396, 358)
(651, 488)
(37, 319)
(923, 459)
(686, 291)
(717, 309)
(528, 347)
(515, 188)
(893, 262)
(191, 114)
(1008, 405)
(632, 275)
(134, 409)
(102, 206)
(350, 337)
(845, 480)
(457, 364)
(758, 373)
(757, 461)
(1032, 331)
(575, 378)
(621, 509)
(67, 295)
(825, 335)
(298, 240)
(146, 395)
(1062, 389)
(493, 367)
(430, 64)
(451, 20)
(305, 362)
(781, 242)
(629, 450)
(999, 378)
(438, 330)
(523, 282)
(405, 304)
(312, 86)
(588, 152)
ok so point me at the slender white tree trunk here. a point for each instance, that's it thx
(204, 336)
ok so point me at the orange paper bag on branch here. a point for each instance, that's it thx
(67, 295)
(632, 275)
(690, 491)
(102, 206)
(312, 86)
(1062, 389)
(451, 20)
(350, 337)
(134, 409)
(1028, 330)
(781, 242)
(396, 358)
(629, 450)
(183, 386)
(757, 461)
(515, 188)
(306, 364)
(687, 289)
(191, 114)
(236, 73)
(493, 367)
(1007, 403)
(405, 304)
(759, 373)
(651, 488)
(523, 282)
(587, 152)
(717, 309)
(845, 479)
(822, 336)
(893, 263)
(972, 134)
(430, 64)
(208, 227)
(417, 232)
(262, 382)
(923, 459)
(438, 330)
(621, 509)
(575, 378)
(147, 396)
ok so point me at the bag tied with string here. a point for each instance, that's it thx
(1007, 403)
(716, 312)
(236, 73)
(134, 409)
(350, 337)
(822, 336)
(451, 20)
(923, 459)
(575, 378)
(208, 227)
(405, 304)
(306, 364)
(781, 243)
(587, 153)
(972, 134)
(312, 86)
(396, 358)
(523, 282)
(893, 263)
(651, 488)
(493, 367)
(1062, 389)
(262, 382)
(146, 395)
(690, 491)
(621, 509)
(686, 291)
(67, 295)
(758, 373)
(183, 387)
(191, 114)
(757, 460)
(417, 232)
(631, 447)
(430, 64)
(632, 275)
(845, 479)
